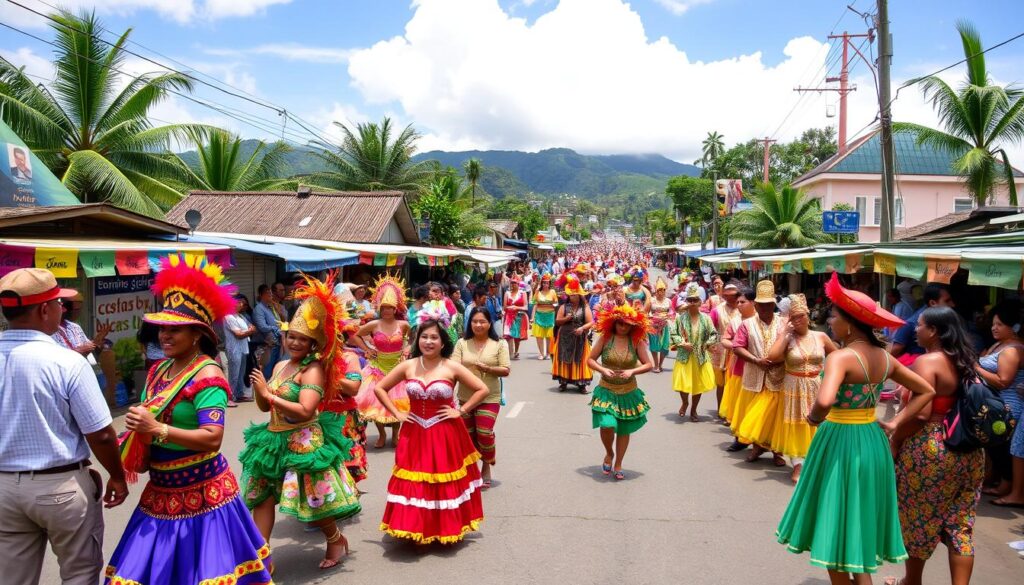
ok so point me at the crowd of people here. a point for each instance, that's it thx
(326, 358)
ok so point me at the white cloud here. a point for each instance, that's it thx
(678, 7)
(40, 69)
(288, 51)
(583, 75)
(181, 11)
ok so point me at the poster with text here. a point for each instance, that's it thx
(24, 179)
(121, 301)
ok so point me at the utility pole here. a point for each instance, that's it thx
(768, 142)
(844, 88)
(885, 114)
(714, 211)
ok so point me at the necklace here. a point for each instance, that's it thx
(431, 368)
(804, 353)
(767, 331)
(169, 377)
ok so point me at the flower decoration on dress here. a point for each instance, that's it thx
(859, 305)
(389, 291)
(321, 317)
(194, 292)
(637, 319)
(433, 311)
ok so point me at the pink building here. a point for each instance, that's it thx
(926, 186)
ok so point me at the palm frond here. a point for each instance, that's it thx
(92, 177)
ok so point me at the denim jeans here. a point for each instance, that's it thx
(237, 376)
(275, 356)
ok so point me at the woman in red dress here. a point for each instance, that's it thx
(434, 491)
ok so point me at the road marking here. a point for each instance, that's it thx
(516, 409)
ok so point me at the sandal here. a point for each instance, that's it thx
(563, 387)
(606, 469)
(619, 475)
(329, 563)
(778, 460)
(694, 418)
(486, 484)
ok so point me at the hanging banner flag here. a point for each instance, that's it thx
(885, 264)
(911, 267)
(132, 262)
(395, 260)
(97, 262)
(1000, 273)
(24, 179)
(778, 266)
(120, 302)
(830, 264)
(808, 265)
(854, 262)
(222, 258)
(366, 258)
(15, 257)
(62, 263)
(942, 270)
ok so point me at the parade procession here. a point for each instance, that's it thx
(247, 339)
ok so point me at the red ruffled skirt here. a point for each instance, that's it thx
(434, 491)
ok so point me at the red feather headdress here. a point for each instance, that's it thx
(194, 292)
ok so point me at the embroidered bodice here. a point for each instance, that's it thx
(805, 356)
(427, 399)
(388, 343)
(862, 395)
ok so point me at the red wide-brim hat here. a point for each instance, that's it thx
(859, 305)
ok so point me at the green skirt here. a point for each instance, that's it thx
(302, 469)
(626, 413)
(844, 509)
(659, 341)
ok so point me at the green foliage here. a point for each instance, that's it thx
(779, 219)
(472, 168)
(711, 148)
(663, 222)
(453, 219)
(372, 158)
(91, 126)
(788, 161)
(979, 118)
(127, 357)
(692, 198)
(530, 218)
(221, 165)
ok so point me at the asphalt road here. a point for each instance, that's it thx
(688, 512)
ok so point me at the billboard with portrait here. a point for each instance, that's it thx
(730, 191)
(24, 179)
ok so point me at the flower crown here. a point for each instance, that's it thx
(433, 311)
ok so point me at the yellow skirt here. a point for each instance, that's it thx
(758, 424)
(739, 408)
(732, 389)
(792, 435)
(692, 378)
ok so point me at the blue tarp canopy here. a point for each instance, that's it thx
(296, 258)
(519, 244)
(699, 253)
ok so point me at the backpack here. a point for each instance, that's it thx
(978, 419)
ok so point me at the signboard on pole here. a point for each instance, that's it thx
(731, 190)
(840, 222)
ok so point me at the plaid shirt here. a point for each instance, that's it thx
(50, 396)
(70, 335)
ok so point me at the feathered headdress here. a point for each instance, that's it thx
(194, 292)
(322, 317)
(389, 290)
(572, 286)
(660, 284)
(607, 317)
(433, 311)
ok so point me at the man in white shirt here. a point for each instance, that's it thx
(237, 331)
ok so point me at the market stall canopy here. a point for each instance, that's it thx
(296, 258)
(98, 256)
(24, 179)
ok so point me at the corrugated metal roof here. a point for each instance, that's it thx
(505, 227)
(335, 216)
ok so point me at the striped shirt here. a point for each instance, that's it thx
(50, 399)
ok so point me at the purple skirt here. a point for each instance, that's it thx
(190, 527)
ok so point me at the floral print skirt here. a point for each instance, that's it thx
(938, 493)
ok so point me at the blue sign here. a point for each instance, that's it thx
(840, 222)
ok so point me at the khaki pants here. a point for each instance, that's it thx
(62, 508)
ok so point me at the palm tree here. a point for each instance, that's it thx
(472, 169)
(94, 136)
(778, 219)
(222, 167)
(712, 147)
(453, 219)
(372, 158)
(980, 119)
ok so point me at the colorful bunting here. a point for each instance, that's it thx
(63, 263)
(1001, 273)
(15, 257)
(911, 267)
(97, 262)
(942, 270)
(131, 262)
(885, 264)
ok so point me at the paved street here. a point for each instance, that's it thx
(688, 512)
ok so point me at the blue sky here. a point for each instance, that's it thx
(600, 76)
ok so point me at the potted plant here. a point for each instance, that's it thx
(128, 359)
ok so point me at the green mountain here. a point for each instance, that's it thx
(549, 172)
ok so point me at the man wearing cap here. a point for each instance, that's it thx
(70, 334)
(55, 413)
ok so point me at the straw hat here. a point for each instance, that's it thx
(573, 287)
(765, 292)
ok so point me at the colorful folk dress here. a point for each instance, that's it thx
(389, 354)
(792, 433)
(844, 508)
(660, 335)
(341, 410)
(722, 316)
(569, 354)
(517, 323)
(544, 320)
(693, 373)
(299, 464)
(757, 337)
(191, 500)
(434, 491)
(618, 403)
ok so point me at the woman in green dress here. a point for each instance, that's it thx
(619, 408)
(844, 509)
(297, 460)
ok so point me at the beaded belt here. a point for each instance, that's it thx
(623, 387)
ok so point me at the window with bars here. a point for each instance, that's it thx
(962, 204)
(877, 212)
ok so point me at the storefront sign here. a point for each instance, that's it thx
(1000, 273)
(62, 263)
(120, 301)
(24, 179)
(942, 270)
(15, 257)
